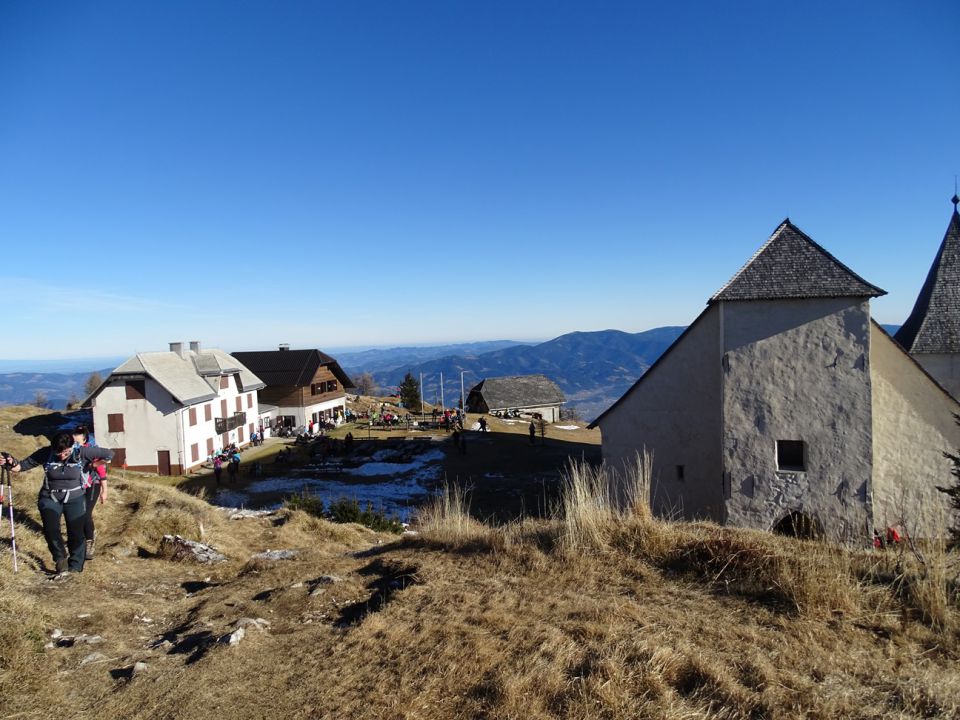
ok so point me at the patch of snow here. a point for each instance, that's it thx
(394, 469)
(567, 427)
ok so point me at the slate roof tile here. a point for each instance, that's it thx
(518, 391)
(934, 323)
(791, 265)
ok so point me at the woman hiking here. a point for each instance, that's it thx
(62, 495)
(96, 490)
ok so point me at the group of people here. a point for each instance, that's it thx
(74, 481)
(229, 456)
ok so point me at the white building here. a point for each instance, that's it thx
(165, 412)
(784, 405)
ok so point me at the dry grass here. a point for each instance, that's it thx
(601, 611)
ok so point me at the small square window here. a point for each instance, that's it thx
(791, 455)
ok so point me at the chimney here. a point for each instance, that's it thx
(284, 346)
(195, 346)
(177, 347)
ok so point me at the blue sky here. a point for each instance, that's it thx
(400, 173)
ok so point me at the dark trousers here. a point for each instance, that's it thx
(92, 494)
(74, 511)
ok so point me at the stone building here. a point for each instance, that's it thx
(523, 394)
(784, 404)
(932, 332)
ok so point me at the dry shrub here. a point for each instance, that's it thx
(918, 582)
(446, 522)
(806, 576)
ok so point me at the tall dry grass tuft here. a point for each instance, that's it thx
(597, 501)
(446, 522)
(919, 583)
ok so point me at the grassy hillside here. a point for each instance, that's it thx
(600, 614)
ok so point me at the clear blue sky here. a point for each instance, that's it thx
(392, 173)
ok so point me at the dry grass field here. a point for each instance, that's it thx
(597, 612)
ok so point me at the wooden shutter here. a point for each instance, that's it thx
(115, 422)
(207, 412)
(194, 452)
(193, 418)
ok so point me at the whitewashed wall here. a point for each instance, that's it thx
(913, 425)
(675, 413)
(798, 370)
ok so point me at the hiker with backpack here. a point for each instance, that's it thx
(96, 489)
(62, 496)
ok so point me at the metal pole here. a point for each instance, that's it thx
(13, 532)
(441, 390)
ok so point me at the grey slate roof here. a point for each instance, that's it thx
(291, 367)
(192, 377)
(518, 391)
(791, 265)
(934, 323)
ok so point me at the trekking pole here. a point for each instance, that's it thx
(13, 532)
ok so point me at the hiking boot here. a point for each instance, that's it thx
(90, 547)
(61, 566)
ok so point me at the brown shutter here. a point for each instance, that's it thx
(115, 422)
(209, 446)
(207, 412)
(136, 390)
(194, 452)
(193, 417)
(223, 408)
(224, 383)
(249, 400)
(119, 457)
(239, 404)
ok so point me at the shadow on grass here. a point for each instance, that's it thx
(390, 578)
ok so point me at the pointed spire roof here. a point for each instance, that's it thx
(934, 324)
(790, 265)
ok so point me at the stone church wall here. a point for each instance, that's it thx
(797, 371)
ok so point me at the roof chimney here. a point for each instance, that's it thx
(177, 347)
(195, 345)
(284, 346)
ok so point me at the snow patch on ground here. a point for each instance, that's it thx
(389, 468)
(567, 427)
(407, 487)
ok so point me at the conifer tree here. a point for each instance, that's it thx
(953, 493)
(410, 393)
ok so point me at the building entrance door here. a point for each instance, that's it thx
(163, 462)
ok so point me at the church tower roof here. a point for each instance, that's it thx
(790, 265)
(934, 323)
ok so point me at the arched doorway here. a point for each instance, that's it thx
(798, 525)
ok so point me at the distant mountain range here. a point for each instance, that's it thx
(592, 368)
(59, 388)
